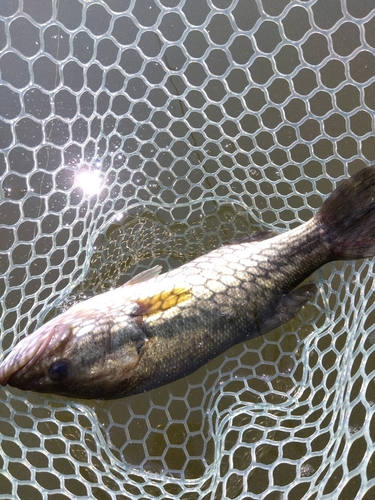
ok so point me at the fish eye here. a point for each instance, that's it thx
(58, 371)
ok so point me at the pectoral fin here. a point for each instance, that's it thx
(161, 302)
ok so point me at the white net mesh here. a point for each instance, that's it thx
(151, 131)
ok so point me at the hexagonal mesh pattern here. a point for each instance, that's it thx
(151, 131)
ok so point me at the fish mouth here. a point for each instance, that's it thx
(33, 348)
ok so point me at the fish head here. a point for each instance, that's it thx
(81, 353)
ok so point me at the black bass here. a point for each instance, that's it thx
(158, 328)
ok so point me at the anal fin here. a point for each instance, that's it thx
(288, 306)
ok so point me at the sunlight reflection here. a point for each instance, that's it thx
(91, 181)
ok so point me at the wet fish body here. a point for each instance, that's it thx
(160, 327)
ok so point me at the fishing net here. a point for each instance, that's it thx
(136, 133)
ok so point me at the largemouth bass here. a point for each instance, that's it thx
(160, 327)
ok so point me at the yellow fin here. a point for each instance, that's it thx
(163, 301)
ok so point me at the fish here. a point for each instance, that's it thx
(160, 327)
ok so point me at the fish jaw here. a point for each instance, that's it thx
(48, 339)
(91, 350)
(86, 352)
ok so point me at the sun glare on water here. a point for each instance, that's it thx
(90, 181)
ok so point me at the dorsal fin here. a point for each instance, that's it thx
(144, 276)
(255, 237)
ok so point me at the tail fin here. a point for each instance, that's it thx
(348, 217)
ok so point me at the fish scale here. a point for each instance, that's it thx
(158, 328)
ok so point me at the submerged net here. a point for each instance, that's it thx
(136, 133)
